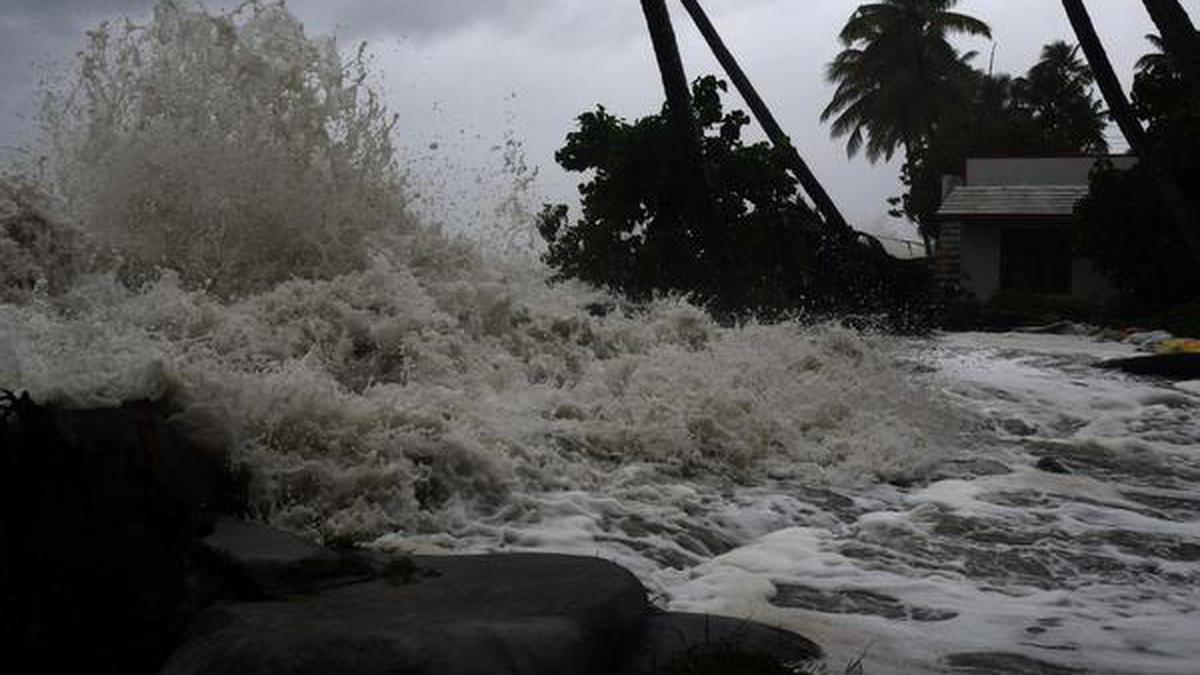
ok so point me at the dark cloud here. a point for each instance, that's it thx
(421, 19)
(563, 56)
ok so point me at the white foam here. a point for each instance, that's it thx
(410, 391)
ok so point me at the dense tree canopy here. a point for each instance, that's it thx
(1057, 95)
(1123, 223)
(634, 237)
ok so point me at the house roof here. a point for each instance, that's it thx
(989, 201)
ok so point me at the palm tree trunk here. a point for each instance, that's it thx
(821, 199)
(702, 212)
(1181, 211)
(1179, 37)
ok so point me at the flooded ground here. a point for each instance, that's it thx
(1087, 564)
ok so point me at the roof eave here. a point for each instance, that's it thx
(1003, 216)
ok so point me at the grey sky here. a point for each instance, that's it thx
(464, 74)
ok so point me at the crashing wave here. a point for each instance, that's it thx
(246, 251)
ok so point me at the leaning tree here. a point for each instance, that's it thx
(1182, 212)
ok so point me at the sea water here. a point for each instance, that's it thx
(225, 225)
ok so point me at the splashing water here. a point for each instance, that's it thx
(229, 230)
(230, 148)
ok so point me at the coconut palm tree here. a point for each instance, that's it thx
(1179, 37)
(1057, 94)
(1156, 59)
(1182, 212)
(898, 74)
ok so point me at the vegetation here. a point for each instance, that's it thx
(1056, 95)
(1180, 40)
(898, 76)
(635, 238)
(1149, 262)
(1051, 110)
(902, 85)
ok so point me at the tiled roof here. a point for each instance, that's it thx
(1012, 200)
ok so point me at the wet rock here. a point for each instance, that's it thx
(523, 613)
(854, 601)
(1003, 662)
(1051, 465)
(259, 562)
(97, 512)
(671, 638)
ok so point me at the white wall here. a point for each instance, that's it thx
(1037, 170)
(979, 259)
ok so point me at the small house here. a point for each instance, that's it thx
(1007, 225)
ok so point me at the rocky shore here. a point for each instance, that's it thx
(124, 552)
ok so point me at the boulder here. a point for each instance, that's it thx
(721, 644)
(254, 561)
(95, 573)
(518, 613)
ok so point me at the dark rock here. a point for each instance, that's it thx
(1003, 662)
(1051, 465)
(96, 517)
(669, 637)
(258, 562)
(853, 601)
(254, 545)
(524, 613)
(1184, 366)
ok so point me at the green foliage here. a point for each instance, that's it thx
(1049, 111)
(991, 122)
(1057, 95)
(1123, 227)
(898, 75)
(1122, 224)
(902, 85)
(771, 257)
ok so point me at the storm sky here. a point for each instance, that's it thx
(465, 75)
